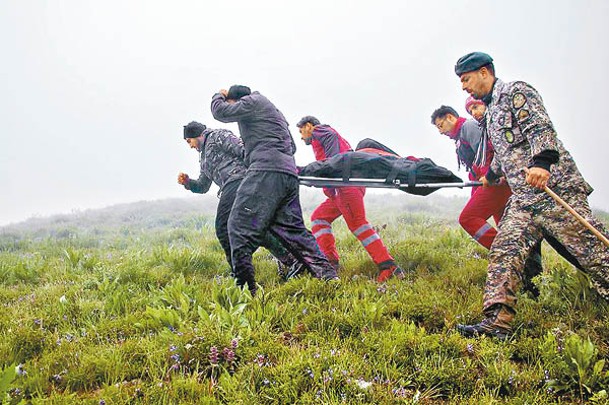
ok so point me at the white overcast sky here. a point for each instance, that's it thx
(94, 94)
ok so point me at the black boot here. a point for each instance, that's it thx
(497, 323)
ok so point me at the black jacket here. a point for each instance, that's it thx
(269, 145)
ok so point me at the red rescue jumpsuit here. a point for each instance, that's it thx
(485, 202)
(345, 201)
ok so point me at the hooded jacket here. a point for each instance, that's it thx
(269, 145)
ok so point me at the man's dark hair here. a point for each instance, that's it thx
(194, 129)
(491, 68)
(442, 112)
(307, 119)
(237, 91)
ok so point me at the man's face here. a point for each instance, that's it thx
(306, 133)
(445, 124)
(193, 142)
(477, 111)
(475, 83)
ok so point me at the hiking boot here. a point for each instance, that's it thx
(391, 271)
(497, 323)
(329, 274)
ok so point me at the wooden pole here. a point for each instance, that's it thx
(576, 215)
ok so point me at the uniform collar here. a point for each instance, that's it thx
(488, 99)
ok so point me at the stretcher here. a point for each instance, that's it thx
(367, 167)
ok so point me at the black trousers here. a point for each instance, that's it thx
(269, 202)
(225, 206)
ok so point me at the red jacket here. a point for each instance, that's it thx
(327, 142)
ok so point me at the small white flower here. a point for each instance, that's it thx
(19, 370)
(363, 384)
(63, 299)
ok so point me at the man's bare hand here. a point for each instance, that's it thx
(183, 178)
(224, 92)
(537, 177)
(485, 182)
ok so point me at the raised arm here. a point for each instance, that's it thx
(224, 111)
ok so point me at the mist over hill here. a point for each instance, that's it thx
(178, 212)
(198, 211)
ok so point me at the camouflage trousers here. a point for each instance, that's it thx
(521, 228)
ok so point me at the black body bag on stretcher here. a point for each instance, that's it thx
(404, 173)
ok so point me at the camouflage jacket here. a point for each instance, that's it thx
(519, 128)
(221, 160)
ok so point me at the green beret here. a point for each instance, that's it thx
(472, 61)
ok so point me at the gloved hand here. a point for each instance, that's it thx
(330, 192)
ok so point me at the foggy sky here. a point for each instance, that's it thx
(94, 94)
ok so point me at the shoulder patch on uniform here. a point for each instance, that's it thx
(523, 115)
(518, 100)
(509, 136)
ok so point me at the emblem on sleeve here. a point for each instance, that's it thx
(518, 100)
(523, 115)
(509, 136)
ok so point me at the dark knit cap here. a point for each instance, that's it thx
(307, 119)
(193, 129)
(472, 61)
(237, 91)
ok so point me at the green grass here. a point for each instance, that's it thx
(139, 315)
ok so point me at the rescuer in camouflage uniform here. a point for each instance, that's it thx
(530, 156)
(221, 159)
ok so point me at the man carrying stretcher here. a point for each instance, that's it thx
(345, 201)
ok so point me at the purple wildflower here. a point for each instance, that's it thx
(213, 355)
(260, 360)
(228, 355)
(400, 392)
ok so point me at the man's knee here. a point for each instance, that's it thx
(466, 216)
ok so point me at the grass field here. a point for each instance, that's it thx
(141, 309)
